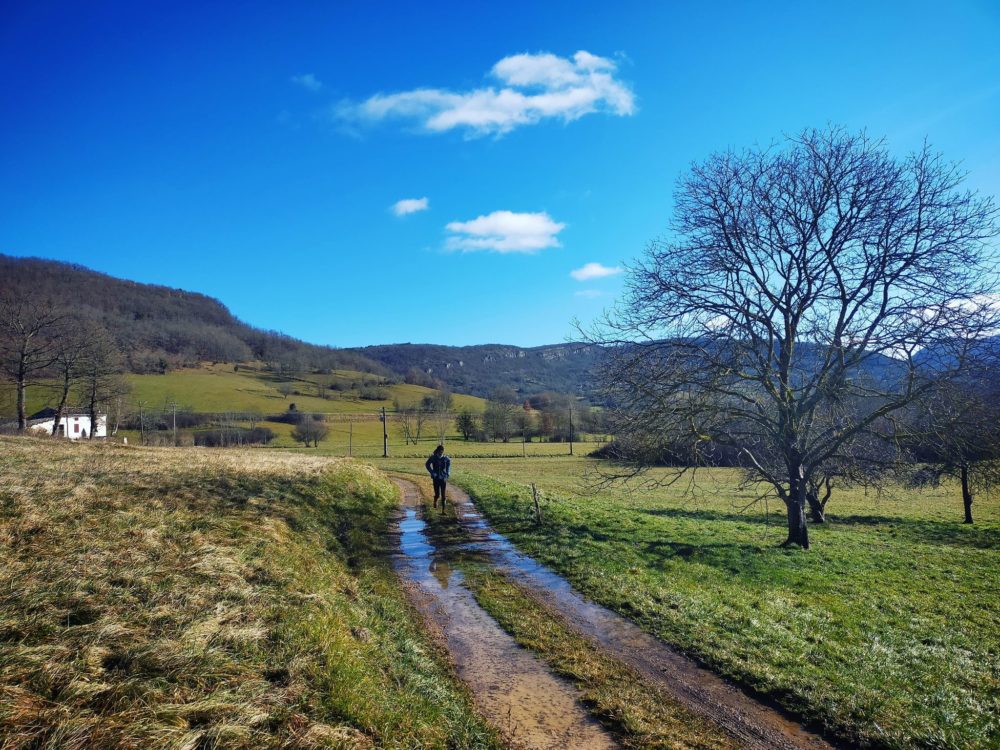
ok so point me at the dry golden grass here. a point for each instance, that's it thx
(172, 598)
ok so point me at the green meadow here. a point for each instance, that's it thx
(886, 632)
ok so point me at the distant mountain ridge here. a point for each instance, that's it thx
(159, 328)
(481, 368)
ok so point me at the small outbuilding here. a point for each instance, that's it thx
(75, 423)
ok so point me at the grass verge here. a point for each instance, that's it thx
(200, 599)
(887, 632)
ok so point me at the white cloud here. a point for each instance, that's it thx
(594, 271)
(533, 87)
(589, 293)
(307, 81)
(505, 232)
(410, 206)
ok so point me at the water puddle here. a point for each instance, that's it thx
(754, 724)
(512, 688)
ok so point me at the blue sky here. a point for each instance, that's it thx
(254, 151)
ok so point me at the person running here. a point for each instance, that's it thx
(438, 466)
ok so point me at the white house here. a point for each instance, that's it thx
(75, 423)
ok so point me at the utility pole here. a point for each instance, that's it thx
(385, 436)
(571, 428)
(142, 427)
(350, 438)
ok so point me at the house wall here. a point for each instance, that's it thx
(76, 427)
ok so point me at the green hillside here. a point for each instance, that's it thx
(222, 388)
(244, 388)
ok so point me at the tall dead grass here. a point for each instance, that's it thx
(190, 599)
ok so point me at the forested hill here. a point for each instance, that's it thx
(158, 328)
(478, 370)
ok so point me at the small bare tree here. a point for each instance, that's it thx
(71, 349)
(955, 432)
(406, 417)
(785, 315)
(101, 375)
(30, 332)
(466, 423)
(311, 430)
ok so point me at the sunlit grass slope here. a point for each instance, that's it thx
(192, 598)
(887, 631)
(222, 388)
(242, 388)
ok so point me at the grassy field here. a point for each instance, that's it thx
(218, 388)
(201, 599)
(887, 632)
(227, 388)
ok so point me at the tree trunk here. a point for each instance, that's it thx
(22, 419)
(63, 397)
(93, 412)
(795, 503)
(817, 511)
(966, 493)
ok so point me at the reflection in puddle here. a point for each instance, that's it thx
(441, 571)
(509, 684)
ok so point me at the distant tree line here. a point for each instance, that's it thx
(550, 416)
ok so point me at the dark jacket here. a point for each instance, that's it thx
(438, 466)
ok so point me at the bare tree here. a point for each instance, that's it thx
(500, 413)
(955, 432)
(311, 430)
(406, 416)
(466, 423)
(785, 315)
(72, 347)
(29, 340)
(438, 408)
(101, 375)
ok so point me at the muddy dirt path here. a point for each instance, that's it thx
(511, 687)
(750, 722)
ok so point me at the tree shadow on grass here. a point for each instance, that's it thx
(923, 531)
(927, 531)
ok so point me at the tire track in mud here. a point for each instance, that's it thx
(510, 686)
(753, 724)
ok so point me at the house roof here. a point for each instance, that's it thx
(70, 411)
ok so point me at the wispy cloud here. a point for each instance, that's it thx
(589, 293)
(307, 81)
(589, 271)
(533, 87)
(410, 206)
(505, 232)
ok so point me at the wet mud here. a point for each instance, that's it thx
(511, 687)
(751, 723)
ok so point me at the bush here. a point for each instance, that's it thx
(287, 417)
(310, 431)
(234, 436)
